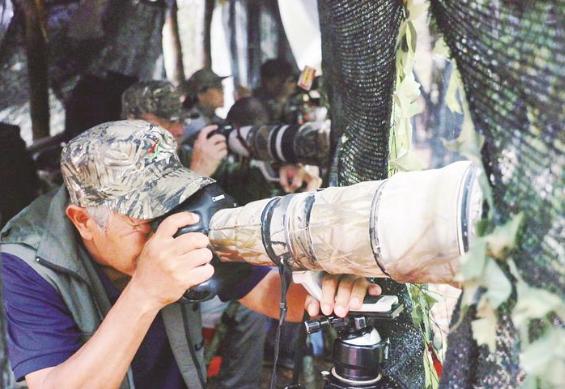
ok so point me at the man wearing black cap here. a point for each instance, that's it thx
(278, 84)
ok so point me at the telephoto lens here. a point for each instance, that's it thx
(411, 227)
(308, 143)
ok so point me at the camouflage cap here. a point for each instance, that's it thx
(200, 80)
(160, 98)
(129, 166)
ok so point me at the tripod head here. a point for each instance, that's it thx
(359, 352)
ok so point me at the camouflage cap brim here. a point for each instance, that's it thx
(162, 195)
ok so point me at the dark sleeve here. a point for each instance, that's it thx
(41, 330)
(246, 284)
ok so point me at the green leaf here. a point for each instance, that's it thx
(545, 357)
(503, 238)
(472, 264)
(484, 328)
(441, 49)
(411, 36)
(481, 227)
(497, 284)
(470, 291)
(409, 161)
(535, 303)
(415, 8)
(430, 300)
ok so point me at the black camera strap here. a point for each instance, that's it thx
(243, 141)
(286, 279)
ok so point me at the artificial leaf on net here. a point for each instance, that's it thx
(469, 144)
(535, 303)
(545, 357)
(441, 49)
(416, 8)
(407, 162)
(484, 328)
(497, 284)
(472, 263)
(405, 105)
(411, 36)
(503, 238)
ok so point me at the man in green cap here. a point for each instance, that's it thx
(91, 293)
(160, 103)
(204, 94)
(157, 102)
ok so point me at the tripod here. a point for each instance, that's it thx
(359, 352)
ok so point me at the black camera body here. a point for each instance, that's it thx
(224, 129)
(205, 203)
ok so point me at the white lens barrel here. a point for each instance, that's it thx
(411, 227)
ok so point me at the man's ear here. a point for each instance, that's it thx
(81, 220)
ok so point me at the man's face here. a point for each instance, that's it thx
(119, 244)
(212, 98)
(281, 88)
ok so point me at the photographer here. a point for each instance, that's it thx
(278, 84)
(203, 94)
(91, 292)
(160, 103)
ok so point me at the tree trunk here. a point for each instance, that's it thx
(174, 44)
(208, 32)
(37, 65)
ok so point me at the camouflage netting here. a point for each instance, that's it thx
(511, 56)
(94, 38)
(359, 52)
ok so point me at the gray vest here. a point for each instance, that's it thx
(45, 239)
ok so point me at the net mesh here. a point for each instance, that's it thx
(359, 46)
(358, 50)
(511, 56)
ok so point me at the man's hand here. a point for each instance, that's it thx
(167, 267)
(291, 177)
(340, 294)
(208, 153)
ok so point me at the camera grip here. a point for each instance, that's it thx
(205, 203)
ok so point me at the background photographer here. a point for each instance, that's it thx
(278, 84)
(160, 103)
(203, 94)
(207, 153)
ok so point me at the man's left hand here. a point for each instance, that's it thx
(340, 294)
(292, 177)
